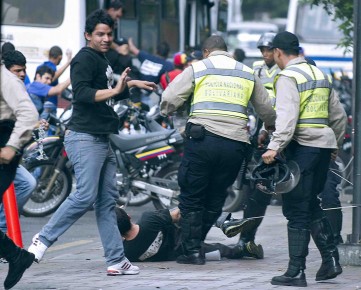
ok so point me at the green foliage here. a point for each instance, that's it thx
(341, 10)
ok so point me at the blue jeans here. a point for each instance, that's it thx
(24, 184)
(95, 167)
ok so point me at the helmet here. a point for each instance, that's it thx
(276, 178)
(266, 39)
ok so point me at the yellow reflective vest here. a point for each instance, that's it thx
(267, 76)
(314, 88)
(223, 87)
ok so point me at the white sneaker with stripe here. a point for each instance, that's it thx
(122, 268)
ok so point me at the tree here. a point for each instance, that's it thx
(341, 10)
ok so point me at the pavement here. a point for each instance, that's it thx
(79, 264)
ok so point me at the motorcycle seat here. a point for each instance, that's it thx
(129, 142)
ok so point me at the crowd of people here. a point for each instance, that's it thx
(303, 121)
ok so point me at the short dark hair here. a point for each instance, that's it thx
(97, 17)
(123, 221)
(13, 57)
(55, 51)
(41, 70)
(115, 4)
(239, 54)
(291, 51)
(7, 46)
(214, 42)
(163, 49)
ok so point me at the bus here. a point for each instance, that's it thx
(319, 36)
(183, 24)
(34, 26)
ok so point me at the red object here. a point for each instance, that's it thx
(172, 74)
(12, 216)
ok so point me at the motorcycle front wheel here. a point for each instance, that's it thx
(41, 202)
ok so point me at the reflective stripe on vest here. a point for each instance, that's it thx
(223, 87)
(313, 108)
(267, 76)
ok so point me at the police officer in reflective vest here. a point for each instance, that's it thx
(219, 88)
(267, 68)
(257, 201)
(310, 125)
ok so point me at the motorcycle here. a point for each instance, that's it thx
(47, 161)
(141, 122)
(147, 166)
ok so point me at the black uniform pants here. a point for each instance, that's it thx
(7, 175)
(302, 205)
(330, 194)
(209, 166)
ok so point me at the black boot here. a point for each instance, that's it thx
(191, 227)
(334, 216)
(298, 240)
(322, 235)
(239, 226)
(19, 260)
(250, 249)
(254, 209)
(209, 218)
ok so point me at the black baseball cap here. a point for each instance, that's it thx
(286, 40)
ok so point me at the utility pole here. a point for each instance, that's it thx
(350, 252)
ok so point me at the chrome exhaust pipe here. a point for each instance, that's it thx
(154, 188)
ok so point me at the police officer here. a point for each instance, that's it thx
(310, 125)
(217, 139)
(258, 201)
(267, 68)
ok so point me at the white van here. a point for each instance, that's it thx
(34, 26)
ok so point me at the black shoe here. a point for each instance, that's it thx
(285, 280)
(252, 250)
(17, 267)
(195, 259)
(235, 226)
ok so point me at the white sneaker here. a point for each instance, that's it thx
(122, 268)
(37, 248)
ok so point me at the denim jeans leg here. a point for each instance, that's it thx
(3, 226)
(24, 184)
(105, 213)
(87, 154)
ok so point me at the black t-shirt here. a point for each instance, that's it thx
(90, 72)
(155, 240)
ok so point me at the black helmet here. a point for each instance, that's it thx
(266, 39)
(276, 178)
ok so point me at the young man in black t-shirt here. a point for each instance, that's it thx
(88, 148)
(156, 237)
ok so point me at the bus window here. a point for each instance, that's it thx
(313, 24)
(129, 23)
(149, 25)
(222, 16)
(129, 11)
(29, 13)
(169, 26)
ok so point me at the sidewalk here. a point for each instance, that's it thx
(80, 265)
